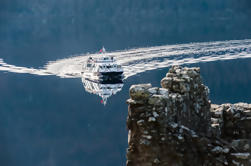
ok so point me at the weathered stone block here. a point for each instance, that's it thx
(175, 126)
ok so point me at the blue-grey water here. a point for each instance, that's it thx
(47, 118)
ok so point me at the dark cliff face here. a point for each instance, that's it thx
(174, 125)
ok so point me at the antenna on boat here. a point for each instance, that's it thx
(103, 49)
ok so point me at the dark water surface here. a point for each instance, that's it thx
(50, 121)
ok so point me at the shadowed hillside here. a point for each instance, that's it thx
(148, 21)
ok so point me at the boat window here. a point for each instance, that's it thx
(89, 65)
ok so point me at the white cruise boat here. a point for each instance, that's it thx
(104, 89)
(102, 68)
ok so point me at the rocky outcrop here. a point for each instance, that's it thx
(192, 108)
(177, 126)
(232, 120)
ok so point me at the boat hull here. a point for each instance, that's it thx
(109, 76)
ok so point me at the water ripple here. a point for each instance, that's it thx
(139, 60)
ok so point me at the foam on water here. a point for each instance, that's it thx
(139, 60)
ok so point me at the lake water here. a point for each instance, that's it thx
(46, 120)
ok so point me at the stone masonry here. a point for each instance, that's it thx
(177, 126)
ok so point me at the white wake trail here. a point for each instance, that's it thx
(139, 60)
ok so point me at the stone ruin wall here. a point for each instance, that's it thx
(176, 125)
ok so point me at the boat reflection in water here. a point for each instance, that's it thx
(103, 88)
(102, 76)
